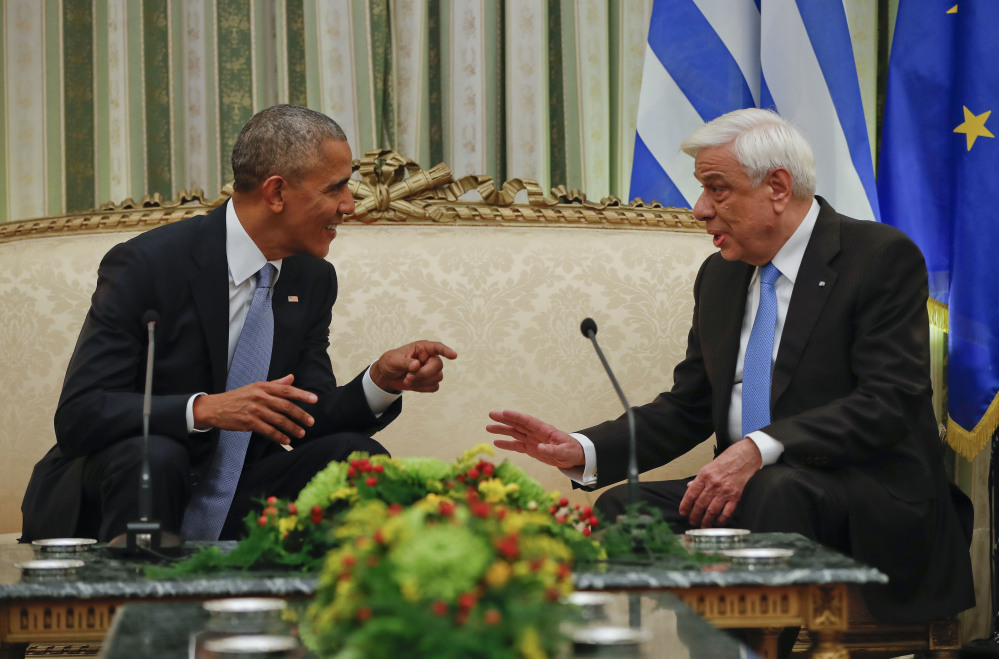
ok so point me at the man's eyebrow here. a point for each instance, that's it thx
(338, 184)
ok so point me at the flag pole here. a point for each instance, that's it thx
(989, 646)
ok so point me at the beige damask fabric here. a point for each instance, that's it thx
(508, 299)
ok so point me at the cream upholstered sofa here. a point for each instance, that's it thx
(504, 276)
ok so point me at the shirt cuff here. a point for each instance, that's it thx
(190, 415)
(379, 400)
(587, 474)
(770, 448)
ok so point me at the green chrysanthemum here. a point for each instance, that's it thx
(319, 490)
(442, 561)
(529, 489)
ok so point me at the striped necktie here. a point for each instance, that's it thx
(758, 363)
(209, 506)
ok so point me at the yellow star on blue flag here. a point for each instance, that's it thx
(974, 126)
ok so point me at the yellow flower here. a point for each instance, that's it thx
(288, 524)
(471, 453)
(344, 493)
(498, 574)
(495, 491)
(409, 590)
(530, 645)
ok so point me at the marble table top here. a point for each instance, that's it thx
(169, 630)
(106, 577)
(811, 563)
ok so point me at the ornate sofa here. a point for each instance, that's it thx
(504, 276)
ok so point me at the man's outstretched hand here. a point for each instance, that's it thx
(414, 367)
(536, 438)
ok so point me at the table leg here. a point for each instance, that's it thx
(828, 646)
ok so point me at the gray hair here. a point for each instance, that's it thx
(284, 140)
(762, 141)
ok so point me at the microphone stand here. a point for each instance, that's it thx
(145, 536)
(631, 520)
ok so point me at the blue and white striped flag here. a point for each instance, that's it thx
(708, 57)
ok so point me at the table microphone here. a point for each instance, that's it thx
(145, 535)
(589, 329)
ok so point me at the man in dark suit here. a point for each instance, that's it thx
(848, 452)
(291, 166)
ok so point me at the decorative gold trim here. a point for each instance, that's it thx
(827, 607)
(81, 620)
(393, 189)
(746, 607)
(939, 316)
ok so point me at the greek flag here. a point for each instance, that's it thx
(708, 57)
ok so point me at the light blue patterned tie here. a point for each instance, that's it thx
(756, 368)
(206, 512)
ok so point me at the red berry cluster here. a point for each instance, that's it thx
(475, 474)
(364, 466)
(270, 512)
(574, 516)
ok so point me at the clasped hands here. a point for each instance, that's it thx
(711, 497)
(272, 408)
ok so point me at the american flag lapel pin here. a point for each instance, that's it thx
(293, 298)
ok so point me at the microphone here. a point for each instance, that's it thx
(589, 329)
(145, 535)
(149, 319)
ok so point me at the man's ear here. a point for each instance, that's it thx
(273, 190)
(779, 181)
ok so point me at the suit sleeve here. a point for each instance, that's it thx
(340, 408)
(669, 426)
(101, 399)
(852, 412)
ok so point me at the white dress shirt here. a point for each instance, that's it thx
(245, 260)
(788, 261)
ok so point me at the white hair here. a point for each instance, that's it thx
(762, 141)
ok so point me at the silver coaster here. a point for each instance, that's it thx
(255, 646)
(758, 557)
(49, 567)
(593, 605)
(714, 539)
(609, 641)
(246, 614)
(63, 545)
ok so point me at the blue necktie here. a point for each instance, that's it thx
(209, 506)
(757, 366)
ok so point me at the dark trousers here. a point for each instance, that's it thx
(111, 481)
(778, 498)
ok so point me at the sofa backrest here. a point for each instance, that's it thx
(502, 279)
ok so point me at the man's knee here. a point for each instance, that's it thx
(339, 446)
(168, 458)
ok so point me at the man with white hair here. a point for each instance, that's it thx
(808, 358)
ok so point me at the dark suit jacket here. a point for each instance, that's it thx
(180, 270)
(850, 395)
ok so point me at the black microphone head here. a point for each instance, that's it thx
(588, 327)
(150, 317)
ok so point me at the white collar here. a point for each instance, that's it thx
(244, 257)
(788, 257)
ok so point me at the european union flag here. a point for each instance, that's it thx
(939, 182)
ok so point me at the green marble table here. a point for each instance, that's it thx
(810, 591)
(167, 630)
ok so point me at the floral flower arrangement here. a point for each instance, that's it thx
(445, 577)
(298, 534)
